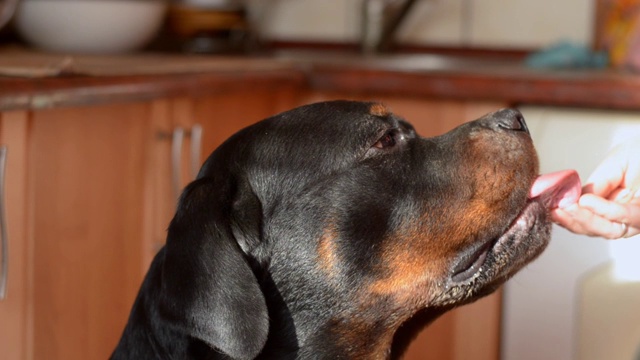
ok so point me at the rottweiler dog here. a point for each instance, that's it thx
(334, 231)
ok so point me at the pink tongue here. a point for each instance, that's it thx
(558, 189)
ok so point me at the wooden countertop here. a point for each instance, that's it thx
(435, 76)
(38, 80)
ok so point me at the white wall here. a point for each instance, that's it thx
(541, 302)
(495, 23)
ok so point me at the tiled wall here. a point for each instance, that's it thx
(494, 23)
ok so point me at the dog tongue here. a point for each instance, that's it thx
(558, 189)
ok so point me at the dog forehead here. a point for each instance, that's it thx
(302, 144)
(330, 126)
(338, 112)
(378, 109)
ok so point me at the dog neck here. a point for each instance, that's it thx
(359, 338)
(361, 335)
(371, 327)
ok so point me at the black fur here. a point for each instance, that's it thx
(288, 244)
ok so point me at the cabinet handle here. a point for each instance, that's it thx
(177, 139)
(176, 160)
(4, 239)
(196, 149)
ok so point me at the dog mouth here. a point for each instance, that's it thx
(520, 243)
(471, 261)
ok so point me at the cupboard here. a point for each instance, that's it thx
(15, 334)
(90, 192)
(91, 189)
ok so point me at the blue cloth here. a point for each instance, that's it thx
(567, 55)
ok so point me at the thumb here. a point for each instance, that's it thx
(608, 176)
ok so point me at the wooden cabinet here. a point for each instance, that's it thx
(15, 314)
(219, 116)
(91, 190)
(90, 195)
(87, 166)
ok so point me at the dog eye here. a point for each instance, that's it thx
(386, 141)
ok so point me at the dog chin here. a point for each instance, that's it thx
(499, 259)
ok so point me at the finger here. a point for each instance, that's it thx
(573, 219)
(633, 231)
(564, 219)
(623, 213)
(583, 221)
(599, 226)
(621, 196)
(608, 176)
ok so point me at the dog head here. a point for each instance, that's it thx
(333, 224)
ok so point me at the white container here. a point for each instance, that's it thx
(609, 312)
(89, 26)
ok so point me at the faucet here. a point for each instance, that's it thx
(380, 22)
(7, 8)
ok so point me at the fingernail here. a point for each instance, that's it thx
(624, 196)
(560, 213)
(565, 203)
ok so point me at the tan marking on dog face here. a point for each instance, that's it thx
(415, 261)
(411, 266)
(379, 110)
(327, 252)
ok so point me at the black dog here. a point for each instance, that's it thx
(333, 231)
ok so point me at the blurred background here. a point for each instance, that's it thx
(456, 23)
(108, 108)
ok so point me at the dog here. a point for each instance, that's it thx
(334, 231)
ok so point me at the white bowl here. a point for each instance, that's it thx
(89, 26)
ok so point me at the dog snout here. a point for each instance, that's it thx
(507, 119)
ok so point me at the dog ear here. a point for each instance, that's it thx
(209, 290)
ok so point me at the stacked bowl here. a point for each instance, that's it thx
(89, 26)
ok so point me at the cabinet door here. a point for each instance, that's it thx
(171, 165)
(222, 115)
(15, 307)
(87, 166)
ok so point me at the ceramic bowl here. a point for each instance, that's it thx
(89, 26)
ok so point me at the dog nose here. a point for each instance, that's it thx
(510, 119)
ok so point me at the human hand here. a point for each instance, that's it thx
(610, 202)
